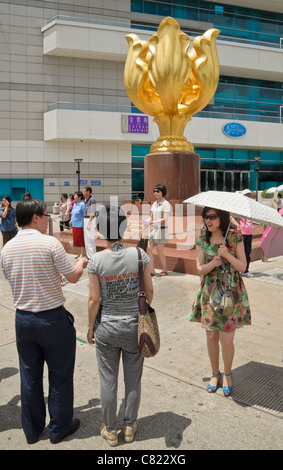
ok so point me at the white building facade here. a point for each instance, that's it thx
(63, 96)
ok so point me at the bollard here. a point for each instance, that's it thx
(50, 226)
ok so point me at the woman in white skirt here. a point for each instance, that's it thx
(159, 214)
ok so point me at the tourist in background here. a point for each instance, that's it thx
(8, 224)
(64, 212)
(159, 214)
(77, 223)
(89, 221)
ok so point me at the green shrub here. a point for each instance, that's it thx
(266, 195)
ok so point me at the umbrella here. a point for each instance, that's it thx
(271, 190)
(272, 242)
(280, 188)
(238, 206)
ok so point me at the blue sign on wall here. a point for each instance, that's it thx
(234, 129)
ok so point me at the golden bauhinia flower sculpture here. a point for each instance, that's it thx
(166, 79)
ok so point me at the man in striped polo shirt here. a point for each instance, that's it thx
(32, 263)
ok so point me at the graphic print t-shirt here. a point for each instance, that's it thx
(118, 274)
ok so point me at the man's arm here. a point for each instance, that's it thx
(75, 275)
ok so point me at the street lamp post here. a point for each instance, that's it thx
(78, 172)
(257, 159)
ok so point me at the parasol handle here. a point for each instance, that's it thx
(222, 260)
(227, 230)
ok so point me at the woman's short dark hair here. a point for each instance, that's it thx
(224, 217)
(26, 208)
(161, 188)
(80, 194)
(111, 222)
(65, 195)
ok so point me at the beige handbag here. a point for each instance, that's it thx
(148, 331)
(221, 298)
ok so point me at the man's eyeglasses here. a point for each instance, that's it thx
(210, 217)
(47, 215)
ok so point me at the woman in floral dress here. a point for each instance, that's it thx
(219, 328)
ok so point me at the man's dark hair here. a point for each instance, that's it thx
(26, 208)
(88, 188)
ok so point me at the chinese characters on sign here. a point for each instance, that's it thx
(135, 124)
(138, 124)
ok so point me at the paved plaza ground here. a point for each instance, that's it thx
(176, 413)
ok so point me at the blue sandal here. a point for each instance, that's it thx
(212, 388)
(227, 389)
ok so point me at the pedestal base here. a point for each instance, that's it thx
(179, 172)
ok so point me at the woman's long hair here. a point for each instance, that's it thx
(224, 217)
(9, 200)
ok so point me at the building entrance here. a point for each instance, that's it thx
(224, 180)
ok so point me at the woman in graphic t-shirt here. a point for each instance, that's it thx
(113, 286)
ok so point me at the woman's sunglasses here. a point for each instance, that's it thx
(210, 217)
(156, 191)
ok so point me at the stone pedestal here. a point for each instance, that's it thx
(179, 172)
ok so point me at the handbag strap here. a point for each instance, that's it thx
(141, 281)
(225, 273)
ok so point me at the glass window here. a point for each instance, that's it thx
(150, 8)
(164, 10)
(225, 90)
(137, 162)
(223, 157)
(219, 9)
(206, 154)
(181, 12)
(140, 150)
(137, 180)
(137, 5)
(273, 156)
(240, 155)
(234, 21)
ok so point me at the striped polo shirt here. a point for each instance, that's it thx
(32, 263)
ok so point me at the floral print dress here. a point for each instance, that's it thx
(201, 310)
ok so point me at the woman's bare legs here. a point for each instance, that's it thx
(212, 339)
(82, 253)
(162, 257)
(228, 351)
(150, 254)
